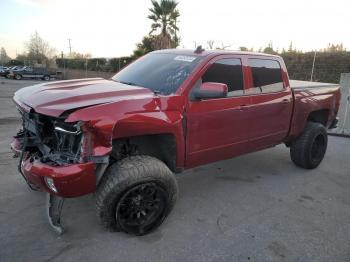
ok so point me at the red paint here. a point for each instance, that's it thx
(208, 86)
(70, 181)
(214, 129)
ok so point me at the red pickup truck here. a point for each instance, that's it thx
(124, 138)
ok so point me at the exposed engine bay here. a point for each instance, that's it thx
(50, 139)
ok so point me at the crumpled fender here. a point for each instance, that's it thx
(158, 115)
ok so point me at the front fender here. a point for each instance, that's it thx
(124, 119)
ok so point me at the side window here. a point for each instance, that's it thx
(267, 75)
(226, 71)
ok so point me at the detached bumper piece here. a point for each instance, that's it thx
(54, 206)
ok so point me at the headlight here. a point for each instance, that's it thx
(50, 183)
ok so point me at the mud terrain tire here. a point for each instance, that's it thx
(135, 195)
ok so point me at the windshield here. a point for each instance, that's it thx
(162, 73)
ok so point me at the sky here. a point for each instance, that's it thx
(111, 28)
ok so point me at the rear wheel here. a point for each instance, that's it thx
(46, 78)
(18, 77)
(308, 150)
(136, 194)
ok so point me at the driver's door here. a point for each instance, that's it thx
(219, 128)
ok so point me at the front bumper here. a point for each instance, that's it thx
(71, 180)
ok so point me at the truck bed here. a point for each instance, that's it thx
(297, 84)
(313, 97)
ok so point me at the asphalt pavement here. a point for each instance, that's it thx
(256, 207)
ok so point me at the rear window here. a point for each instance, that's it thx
(267, 75)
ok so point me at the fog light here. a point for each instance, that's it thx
(50, 184)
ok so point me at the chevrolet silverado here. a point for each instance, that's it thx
(123, 139)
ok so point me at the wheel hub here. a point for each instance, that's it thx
(141, 207)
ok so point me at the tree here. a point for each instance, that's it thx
(164, 16)
(38, 49)
(243, 48)
(77, 55)
(146, 46)
(269, 49)
(210, 44)
(223, 46)
(4, 58)
(335, 48)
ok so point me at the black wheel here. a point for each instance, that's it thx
(135, 195)
(308, 150)
(7, 76)
(46, 78)
(18, 77)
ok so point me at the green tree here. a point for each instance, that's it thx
(269, 49)
(164, 16)
(145, 46)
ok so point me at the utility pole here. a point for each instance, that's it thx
(313, 66)
(70, 47)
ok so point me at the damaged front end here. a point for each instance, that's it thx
(57, 157)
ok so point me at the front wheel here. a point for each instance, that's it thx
(136, 194)
(46, 78)
(308, 150)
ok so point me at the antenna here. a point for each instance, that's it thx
(199, 49)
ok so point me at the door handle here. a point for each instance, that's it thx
(285, 101)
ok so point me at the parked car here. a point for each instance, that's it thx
(27, 72)
(3, 68)
(124, 138)
(5, 72)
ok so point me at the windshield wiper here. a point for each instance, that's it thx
(126, 83)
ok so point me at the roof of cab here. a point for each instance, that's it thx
(210, 52)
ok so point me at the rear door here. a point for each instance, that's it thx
(271, 102)
(219, 128)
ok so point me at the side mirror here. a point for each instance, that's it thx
(211, 90)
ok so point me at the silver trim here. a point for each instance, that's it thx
(60, 129)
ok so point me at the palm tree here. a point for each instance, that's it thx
(164, 16)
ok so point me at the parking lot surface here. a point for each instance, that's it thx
(256, 207)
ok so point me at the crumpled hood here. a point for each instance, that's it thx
(57, 97)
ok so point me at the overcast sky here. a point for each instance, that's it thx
(110, 28)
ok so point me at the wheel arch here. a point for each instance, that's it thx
(161, 146)
(319, 116)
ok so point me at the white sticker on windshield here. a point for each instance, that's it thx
(185, 58)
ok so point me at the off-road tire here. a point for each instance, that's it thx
(123, 176)
(308, 150)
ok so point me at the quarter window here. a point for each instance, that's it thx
(267, 75)
(226, 71)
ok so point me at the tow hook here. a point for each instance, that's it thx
(54, 206)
